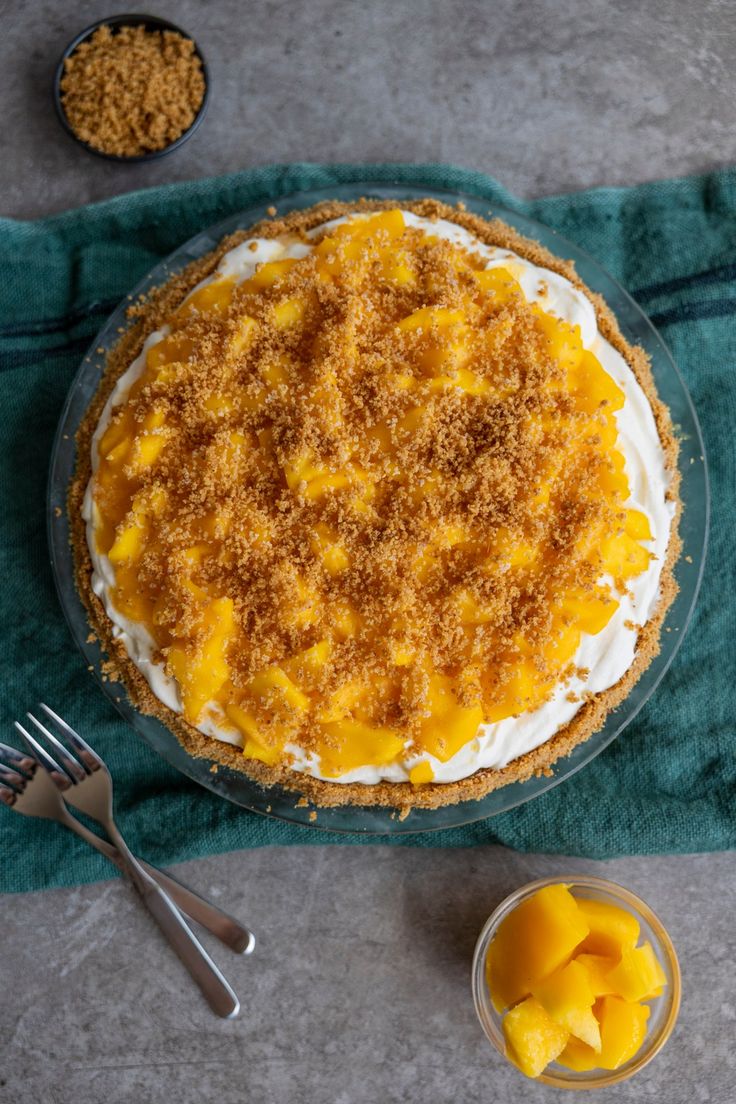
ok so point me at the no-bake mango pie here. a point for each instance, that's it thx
(378, 504)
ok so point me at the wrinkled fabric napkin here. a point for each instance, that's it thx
(668, 783)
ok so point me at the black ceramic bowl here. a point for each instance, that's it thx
(151, 23)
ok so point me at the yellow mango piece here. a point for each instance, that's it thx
(305, 610)
(324, 484)
(254, 749)
(170, 349)
(117, 431)
(470, 610)
(579, 1056)
(344, 701)
(353, 743)
(117, 455)
(564, 341)
(638, 974)
(421, 774)
(497, 282)
(301, 469)
(563, 647)
(307, 666)
(155, 418)
(128, 597)
(402, 654)
(289, 313)
(594, 386)
(385, 227)
(327, 547)
(254, 746)
(445, 361)
(146, 450)
(268, 274)
(533, 1039)
(623, 1028)
(214, 297)
(567, 996)
(241, 335)
(274, 684)
(345, 620)
(219, 404)
(638, 526)
(129, 541)
(242, 719)
(450, 725)
(537, 937)
(274, 373)
(388, 224)
(623, 557)
(517, 695)
(403, 381)
(611, 928)
(431, 318)
(397, 270)
(612, 479)
(194, 555)
(597, 967)
(513, 548)
(589, 613)
(201, 675)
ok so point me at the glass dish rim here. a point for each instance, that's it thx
(367, 820)
(620, 894)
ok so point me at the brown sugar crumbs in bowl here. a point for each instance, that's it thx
(127, 90)
(364, 515)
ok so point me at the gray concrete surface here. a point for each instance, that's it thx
(358, 991)
(546, 95)
(359, 988)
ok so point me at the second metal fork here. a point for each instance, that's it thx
(90, 789)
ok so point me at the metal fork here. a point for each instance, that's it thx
(219, 923)
(90, 789)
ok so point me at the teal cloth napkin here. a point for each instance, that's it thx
(667, 784)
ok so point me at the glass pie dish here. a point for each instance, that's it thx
(283, 803)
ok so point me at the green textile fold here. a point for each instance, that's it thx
(667, 784)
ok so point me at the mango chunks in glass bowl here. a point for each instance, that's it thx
(576, 982)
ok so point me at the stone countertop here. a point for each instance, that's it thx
(359, 989)
(545, 95)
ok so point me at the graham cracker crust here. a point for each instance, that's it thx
(148, 314)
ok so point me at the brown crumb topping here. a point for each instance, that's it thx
(472, 465)
(127, 91)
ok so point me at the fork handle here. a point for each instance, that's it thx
(223, 926)
(212, 984)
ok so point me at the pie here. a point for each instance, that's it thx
(377, 504)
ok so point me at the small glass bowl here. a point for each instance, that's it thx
(663, 1009)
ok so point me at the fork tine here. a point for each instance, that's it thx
(11, 779)
(60, 777)
(7, 796)
(88, 755)
(74, 769)
(19, 761)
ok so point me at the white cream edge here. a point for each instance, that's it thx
(607, 656)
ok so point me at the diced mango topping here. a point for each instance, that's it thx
(366, 501)
(533, 1038)
(560, 1002)
(532, 942)
(610, 927)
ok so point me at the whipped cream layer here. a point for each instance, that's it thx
(606, 656)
